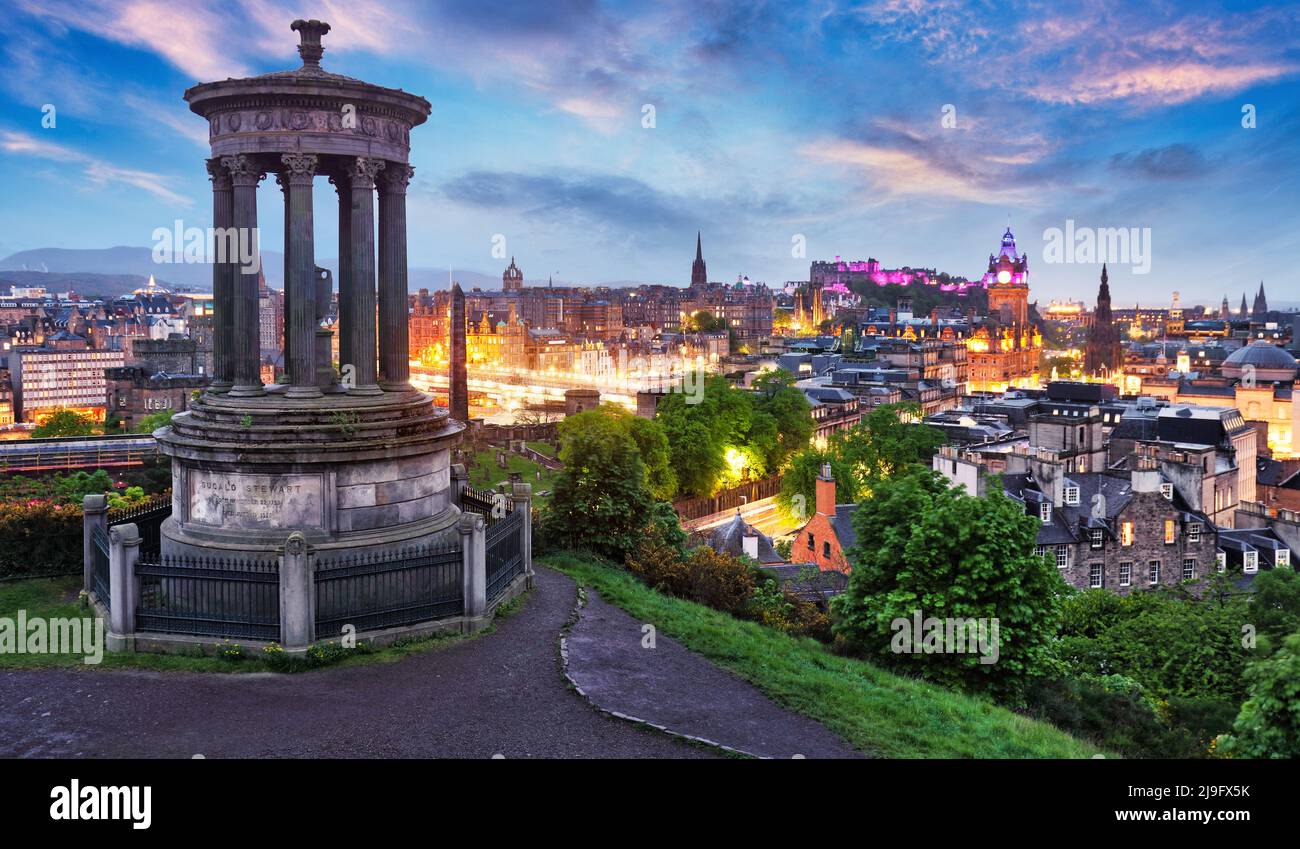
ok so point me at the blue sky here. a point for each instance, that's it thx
(772, 120)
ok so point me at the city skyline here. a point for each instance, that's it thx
(1096, 115)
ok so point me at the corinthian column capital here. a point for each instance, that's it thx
(396, 177)
(243, 170)
(298, 166)
(363, 170)
(218, 175)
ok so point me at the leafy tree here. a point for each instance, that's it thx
(1275, 605)
(73, 487)
(791, 417)
(65, 423)
(1268, 725)
(926, 547)
(153, 421)
(602, 500)
(705, 322)
(888, 439)
(798, 495)
(1172, 645)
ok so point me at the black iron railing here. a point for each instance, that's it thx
(209, 597)
(99, 565)
(492, 506)
(148, 517)
(370, 592)
(505, 553)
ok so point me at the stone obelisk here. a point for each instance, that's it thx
(458, 393)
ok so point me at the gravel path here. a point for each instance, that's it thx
(500, 694)
(672, 687)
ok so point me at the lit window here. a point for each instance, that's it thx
(1125, 574)
(1126, 534)
(1171, 531)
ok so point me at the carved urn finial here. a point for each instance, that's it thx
(310, 49)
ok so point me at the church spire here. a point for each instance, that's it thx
(699, 275)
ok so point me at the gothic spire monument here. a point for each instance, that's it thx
(1103, 350)
(699, 275)
(1243, 312)
(457, 380)
(1260, 307)
(349, 455)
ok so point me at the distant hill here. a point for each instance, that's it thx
(80, 268)
(87, 269)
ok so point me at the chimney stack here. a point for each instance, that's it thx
(826, 491)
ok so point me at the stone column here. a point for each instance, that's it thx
(344, 189)
(522, 498)
(362, 172)
(123, 550)
(394, 333)
(94, 513)
(297, 595)
(300, 284)
(222, 288)
(473, 549)
(459, 477)
(245, 174)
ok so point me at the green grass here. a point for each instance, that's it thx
(878, 712)
(57, 597)
(484, 473)
(542, 448)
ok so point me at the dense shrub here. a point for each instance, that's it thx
(1269, 723)
(1113, 712)
(39, 537)
(730, 584)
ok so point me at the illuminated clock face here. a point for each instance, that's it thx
(1004, 276)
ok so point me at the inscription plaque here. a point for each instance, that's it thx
(239, 500)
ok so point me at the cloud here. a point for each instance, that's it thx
(1095, 52)
(95, 170)
(1175, 161)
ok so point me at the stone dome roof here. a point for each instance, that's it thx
(1261, 354)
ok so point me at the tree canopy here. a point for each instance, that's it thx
(725, 434)
(604, 498)
(65, 423)
(927, 550)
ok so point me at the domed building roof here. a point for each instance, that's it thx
(1269, 361)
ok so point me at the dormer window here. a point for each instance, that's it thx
(1045, 512)
(1096, 537)
(1072, 496)
(1283, 558)
(1250, 562)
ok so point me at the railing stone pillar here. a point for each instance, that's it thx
(459, 477)
(123, 588)
(297, 595)
(94, 510)
(522, 496)
(473, 548)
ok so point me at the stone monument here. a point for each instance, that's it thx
(350, 456)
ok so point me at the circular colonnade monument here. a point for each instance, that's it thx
(354, 457)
